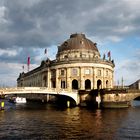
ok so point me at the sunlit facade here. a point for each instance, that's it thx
(78, 66)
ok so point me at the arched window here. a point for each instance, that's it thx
(107, 84)
(87, 84)
(44, 81)
(62, 72)
(63, 84)
(53, 84)
(74, 84)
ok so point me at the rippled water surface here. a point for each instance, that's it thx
(40, 121)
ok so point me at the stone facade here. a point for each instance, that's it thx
(78, 65)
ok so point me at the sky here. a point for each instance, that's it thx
(28, 27)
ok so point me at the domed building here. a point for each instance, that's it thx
(78, 66)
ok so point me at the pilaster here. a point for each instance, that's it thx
(49, 78)
(82, 85)
(58, 85)
(68, 82)
(94, 78)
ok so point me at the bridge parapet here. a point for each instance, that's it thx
(34, 89)
(123, 95)
(39, 90)
(119, 91)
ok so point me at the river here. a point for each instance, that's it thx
(35, 121)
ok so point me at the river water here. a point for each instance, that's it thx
(36, 121)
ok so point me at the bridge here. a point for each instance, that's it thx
(115, 97)
(119, 97)
(25, 91)
(120, 94)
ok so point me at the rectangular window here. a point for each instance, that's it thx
(99, 73)
(53, 73)
(74, 72)
(107, 73)
(87, 71)
(62, 72)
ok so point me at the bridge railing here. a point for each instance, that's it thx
(34, 90)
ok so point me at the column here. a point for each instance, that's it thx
(82, 81)
(66, 77)
(104, 81)
(111, 79)
(94, 78)
(68, 82)
(49, 78)
(57, 80)
(92, 82)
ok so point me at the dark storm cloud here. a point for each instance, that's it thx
(42, 23)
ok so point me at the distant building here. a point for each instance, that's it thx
(135, 85)
(78, 65)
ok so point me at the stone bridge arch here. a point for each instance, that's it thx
(71, 96)
(62, 100)
(134, 96)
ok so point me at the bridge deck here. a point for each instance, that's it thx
(39, 90)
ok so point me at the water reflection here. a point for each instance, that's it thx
(135, 103)
(41, 121)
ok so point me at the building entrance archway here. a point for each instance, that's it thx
(99, 84)
(87, 84)
(74, 84)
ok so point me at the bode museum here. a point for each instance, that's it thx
(78, 66)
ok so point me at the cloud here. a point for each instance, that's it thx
(27, 27)
(7, 74)
(9, 53)
(10, 71)
(43, 23)
(129, 69)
